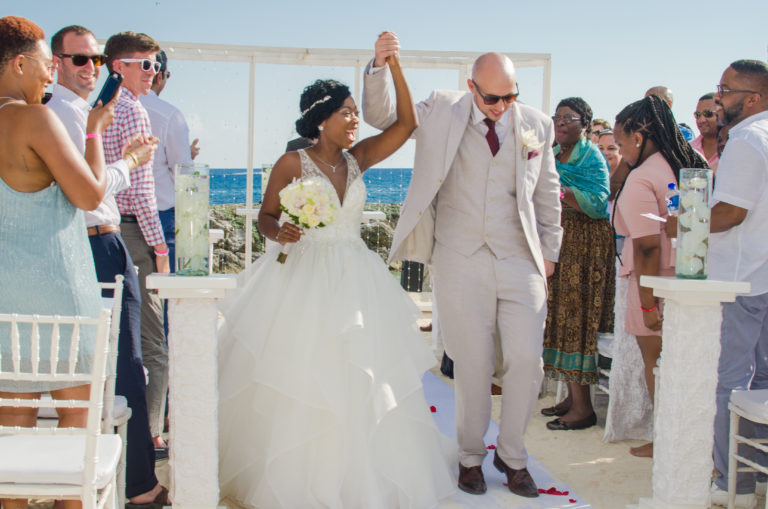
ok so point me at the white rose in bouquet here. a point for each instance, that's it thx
(308, 204)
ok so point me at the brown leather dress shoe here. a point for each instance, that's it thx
(520, 481)
(471, 480)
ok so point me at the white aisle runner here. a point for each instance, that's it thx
(440, 395)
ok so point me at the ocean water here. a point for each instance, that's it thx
(385, 185)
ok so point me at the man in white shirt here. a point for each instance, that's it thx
(168, 126)
(77, 57)
(739, 252)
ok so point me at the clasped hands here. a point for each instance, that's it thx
(387, 45)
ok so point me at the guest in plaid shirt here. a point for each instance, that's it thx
(133, 55)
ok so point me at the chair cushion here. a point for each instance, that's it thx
(752, 402)
(120, 411)
(45, 459)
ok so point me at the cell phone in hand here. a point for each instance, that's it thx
(110, 87)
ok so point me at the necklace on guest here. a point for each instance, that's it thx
(333, 168)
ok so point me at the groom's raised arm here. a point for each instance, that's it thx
(378, 108)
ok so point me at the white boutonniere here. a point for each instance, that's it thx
(531, 144)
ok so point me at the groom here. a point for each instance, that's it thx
(483, 208)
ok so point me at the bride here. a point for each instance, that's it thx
(320, 358)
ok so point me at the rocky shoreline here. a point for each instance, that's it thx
(229, 253)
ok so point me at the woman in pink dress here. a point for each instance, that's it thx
(651, 143)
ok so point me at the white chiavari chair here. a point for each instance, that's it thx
(59, 463)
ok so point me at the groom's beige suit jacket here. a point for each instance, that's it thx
(443, 119)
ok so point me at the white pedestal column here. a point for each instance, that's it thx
(684, 417)
(193, 385)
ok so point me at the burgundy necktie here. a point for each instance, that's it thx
(493, 140)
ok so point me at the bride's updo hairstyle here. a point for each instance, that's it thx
(318, 101)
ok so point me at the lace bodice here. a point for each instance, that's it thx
(348, 214)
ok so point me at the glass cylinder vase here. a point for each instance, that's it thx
(693, 223)
(192, 188)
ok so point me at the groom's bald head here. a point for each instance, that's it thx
(493, 74)
(493, 64)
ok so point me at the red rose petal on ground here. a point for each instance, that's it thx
(505, 484)
(491, 447)
(565, 493)
(540, 490)
(433, 409)
(572, 500)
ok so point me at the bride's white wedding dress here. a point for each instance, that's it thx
(320, 378)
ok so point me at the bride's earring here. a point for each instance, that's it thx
(637, 145)
(319, 128)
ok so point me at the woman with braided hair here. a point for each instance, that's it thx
(651, 143)
(580, 301)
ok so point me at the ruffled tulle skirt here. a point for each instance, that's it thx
(320, 382)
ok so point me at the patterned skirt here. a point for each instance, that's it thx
(580, 301)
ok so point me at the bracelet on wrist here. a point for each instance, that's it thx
(133, 158)
(648, 310)
(92, 136)
(162, 253)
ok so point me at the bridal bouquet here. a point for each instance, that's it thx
(309, 204)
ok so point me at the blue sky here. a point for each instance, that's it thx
(609, 53)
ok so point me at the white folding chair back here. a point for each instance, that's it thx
(751, 406)
(61, 463)
(604, 349)
(116, 411)
(114, 333)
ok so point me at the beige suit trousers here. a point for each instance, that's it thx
(479, 295)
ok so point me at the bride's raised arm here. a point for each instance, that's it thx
(377, 148)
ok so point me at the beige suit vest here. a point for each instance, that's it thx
(477, 203)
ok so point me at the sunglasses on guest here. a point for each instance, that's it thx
(703, 113)
(146, 64)
(490, 100)
(721, 91)
(565, 118)
(80, 60)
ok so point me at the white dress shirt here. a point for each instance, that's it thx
(73, 112)
(477, 119)
(169, 126)
(741, 253)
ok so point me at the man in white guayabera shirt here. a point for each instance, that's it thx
(739, 252)
(78, 60)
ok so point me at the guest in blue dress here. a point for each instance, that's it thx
(46, 265)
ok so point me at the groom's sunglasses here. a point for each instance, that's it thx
(490, 100)
(81, 60)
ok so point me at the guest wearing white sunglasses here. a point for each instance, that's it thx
(133, 55)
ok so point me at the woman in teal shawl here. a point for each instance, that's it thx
(581, 290)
